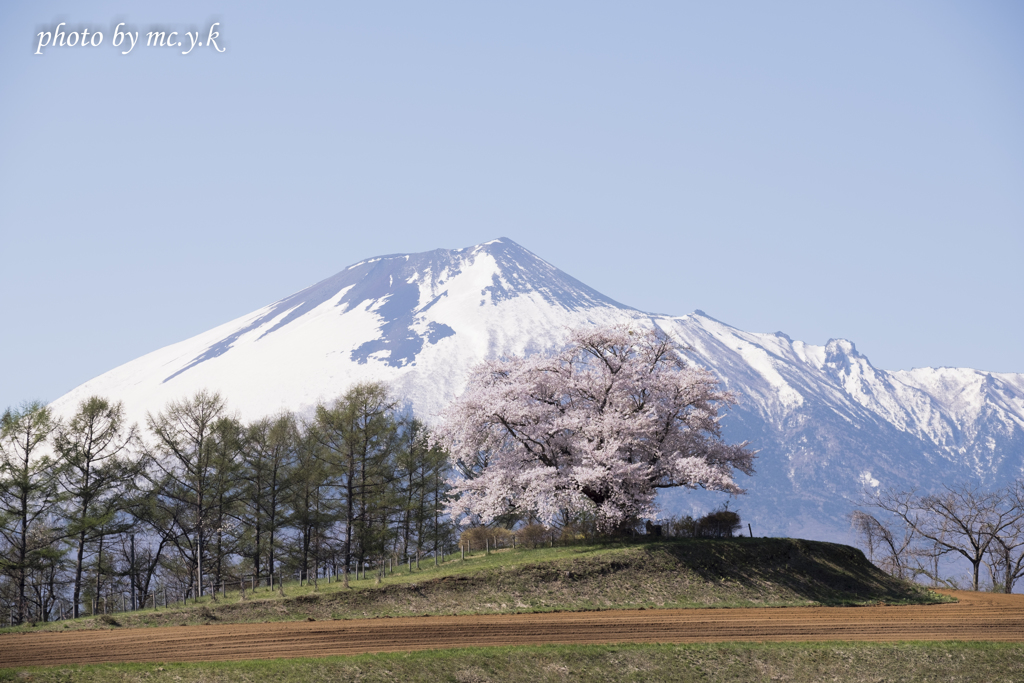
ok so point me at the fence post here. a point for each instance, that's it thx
(462, 547)
(749, 530)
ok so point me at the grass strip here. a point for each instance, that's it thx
(795, 662)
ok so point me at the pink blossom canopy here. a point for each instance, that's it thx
(598, 427)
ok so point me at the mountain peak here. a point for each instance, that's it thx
(836, 348)
(400, 288)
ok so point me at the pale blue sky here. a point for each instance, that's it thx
(824, 169)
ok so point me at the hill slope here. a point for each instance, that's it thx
(740, 572)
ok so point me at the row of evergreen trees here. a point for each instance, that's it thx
(92, 510)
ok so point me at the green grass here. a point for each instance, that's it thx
(795, 662)
(739, 572)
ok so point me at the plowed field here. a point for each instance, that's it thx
(978, 616)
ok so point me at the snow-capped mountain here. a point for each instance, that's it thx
(827, 423)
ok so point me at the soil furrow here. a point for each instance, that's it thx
(975, 617)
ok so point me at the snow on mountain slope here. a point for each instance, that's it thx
(828, 424)
(831, 427)
(418, 321)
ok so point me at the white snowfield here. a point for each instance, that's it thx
(829, 425)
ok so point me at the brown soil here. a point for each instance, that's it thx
(978, 616)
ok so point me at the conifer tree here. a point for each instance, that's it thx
(28, 494)
(185, 474)
(268, 456)
(421, 484)
(94, 473)
(309, 513)
(359, 436)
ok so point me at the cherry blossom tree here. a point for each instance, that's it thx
(598, 427)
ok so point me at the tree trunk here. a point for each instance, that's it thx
(99, 572)
(199, 560)
(22, 557)
(79, 560)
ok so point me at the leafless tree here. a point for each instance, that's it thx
(1005, 559)
(893, 546)
(959, 520)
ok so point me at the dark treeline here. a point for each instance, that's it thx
(96, 512)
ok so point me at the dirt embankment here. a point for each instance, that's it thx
(978, 616)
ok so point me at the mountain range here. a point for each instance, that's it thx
(829, 427)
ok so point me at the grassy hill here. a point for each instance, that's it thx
(740, 572)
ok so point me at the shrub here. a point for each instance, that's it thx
(679, 527)
(473, 537)
(500, 537)
(478, 537)
(721, 523)
(533, 534)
